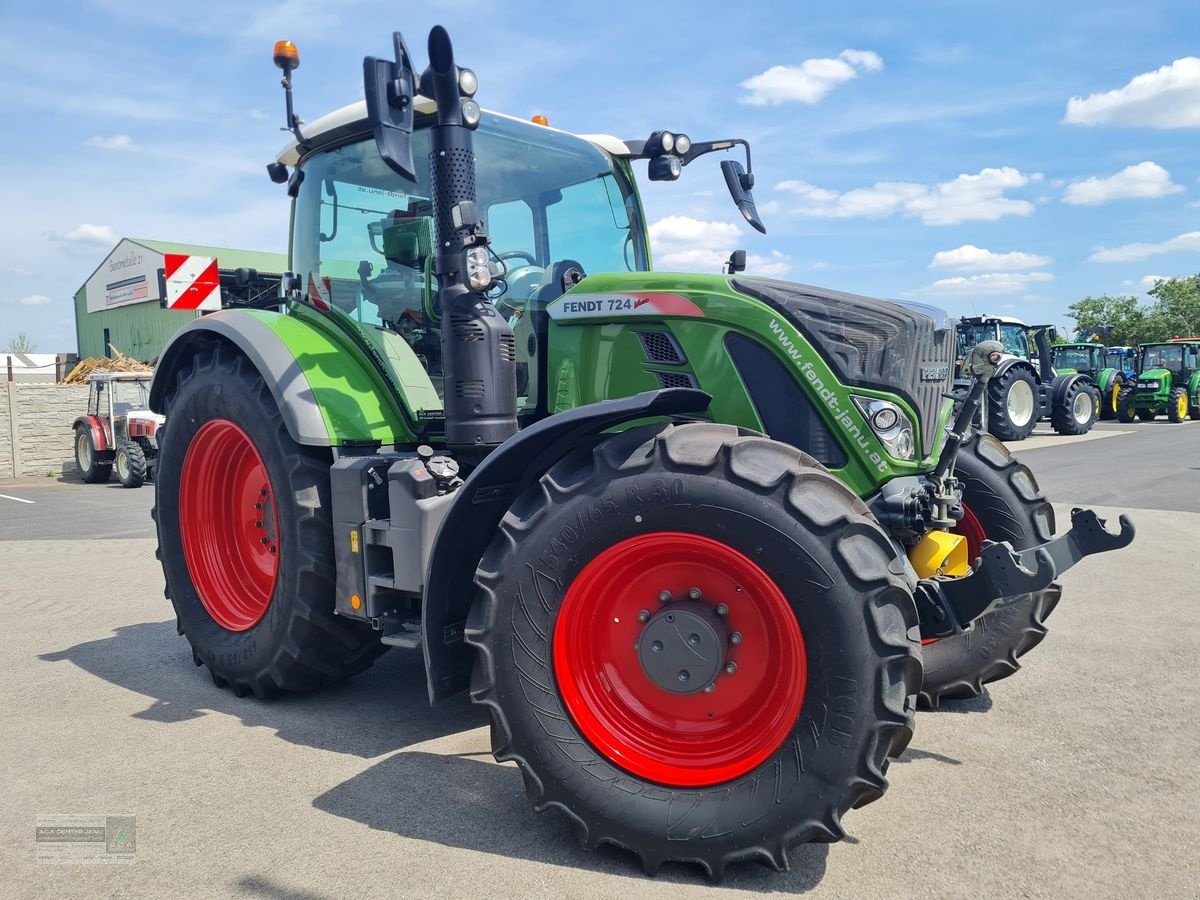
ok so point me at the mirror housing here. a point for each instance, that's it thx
(391, 90)
(740, 185)
(736, 262)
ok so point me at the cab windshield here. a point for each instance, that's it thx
(1115, 360)
(1166, 357)
(364, 235)
(970, 336)
(1081, 359)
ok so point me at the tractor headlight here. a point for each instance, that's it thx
(479, 269)
(683, 144)
(891, 425)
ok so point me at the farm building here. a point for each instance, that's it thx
(119, 306)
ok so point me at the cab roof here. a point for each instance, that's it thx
(352, 120)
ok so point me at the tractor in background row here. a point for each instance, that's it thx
(699, 544)
(1168, 381)
(119, 430)
(1096, 362)
(1027, 387)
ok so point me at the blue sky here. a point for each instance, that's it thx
(928, 150)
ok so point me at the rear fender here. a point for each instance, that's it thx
(486, 496)
(101, 439)
(327, 393)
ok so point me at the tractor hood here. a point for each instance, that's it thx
(1157, 375)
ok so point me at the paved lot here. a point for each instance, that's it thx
(1075, 778)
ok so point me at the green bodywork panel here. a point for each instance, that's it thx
(1153, 398)
(600, 357)
(354, 373)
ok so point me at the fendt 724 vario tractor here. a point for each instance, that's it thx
(1026, 386)
(1168, 382)
(1104, 367)
(689, 538)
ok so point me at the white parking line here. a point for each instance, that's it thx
(18, 499)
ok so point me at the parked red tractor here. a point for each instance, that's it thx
(119, 430)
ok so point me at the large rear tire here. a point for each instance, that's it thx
(1076, 412)
(1013, 404)
(813, 670)
(1003, 503)
(91, 469)
(245, 537)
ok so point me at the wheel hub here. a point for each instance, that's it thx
(682, 648)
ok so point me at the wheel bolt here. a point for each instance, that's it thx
(258, 506)
(735, 638)
(722, 609)
(664, 597)
(272, 548)
(693, 639)
(684, 676)
(644, 615)
(694, 593)
(258, 525)
(263, 492)
(265, 540)
(730, 667)
(656, 646)
(709, 688)
(670, 617)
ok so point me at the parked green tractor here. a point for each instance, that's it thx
(1027, 387)
(1093, 360)
(698, 543)
(1168, 382)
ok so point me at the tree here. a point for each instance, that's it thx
(1120, 319)
(1176, 310)
(22, 343)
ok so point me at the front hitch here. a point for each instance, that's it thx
(949, 606)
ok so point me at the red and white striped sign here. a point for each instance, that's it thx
(191, 282)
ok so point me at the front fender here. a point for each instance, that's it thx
(1063, 383)
(484, 499)
(327, 392)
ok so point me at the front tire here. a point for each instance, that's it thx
(1108, 399)
(1177, 405)
(1125, 409)
(1013, 404)
(1077, 412)
(245, 537)
(130, 464)
(572, 586)
(1003, 503)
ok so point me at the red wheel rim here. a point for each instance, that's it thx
(228, 525)
(971, 528)
(685, 740)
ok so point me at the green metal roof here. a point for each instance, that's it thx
(227, 257)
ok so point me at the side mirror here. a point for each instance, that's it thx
(740, 185)
(244, 278)
(736, 262)
(391, 90)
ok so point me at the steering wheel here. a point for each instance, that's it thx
(518, 254)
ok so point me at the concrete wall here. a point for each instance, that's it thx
(35, 421)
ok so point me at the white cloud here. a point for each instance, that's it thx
(969, 258)
(34, 300)
(121, 142)
(1168, 97)
(91, 234)
(1149, 281)
(989, 284)
(1146, 180)
(691, 245)
(967, 198)
(1188, 242)
(810, 81)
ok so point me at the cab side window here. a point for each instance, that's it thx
(1014, 340)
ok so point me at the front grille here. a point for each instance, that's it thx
(870, 343)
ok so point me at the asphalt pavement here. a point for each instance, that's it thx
(1074, 778)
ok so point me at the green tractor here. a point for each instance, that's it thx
(1027, 387)
(1104, 367)
(1168, 382)
(700, 544)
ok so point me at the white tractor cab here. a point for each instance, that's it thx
(119, 430)
(1026, 386)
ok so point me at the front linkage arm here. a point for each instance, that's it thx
(948, 606)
